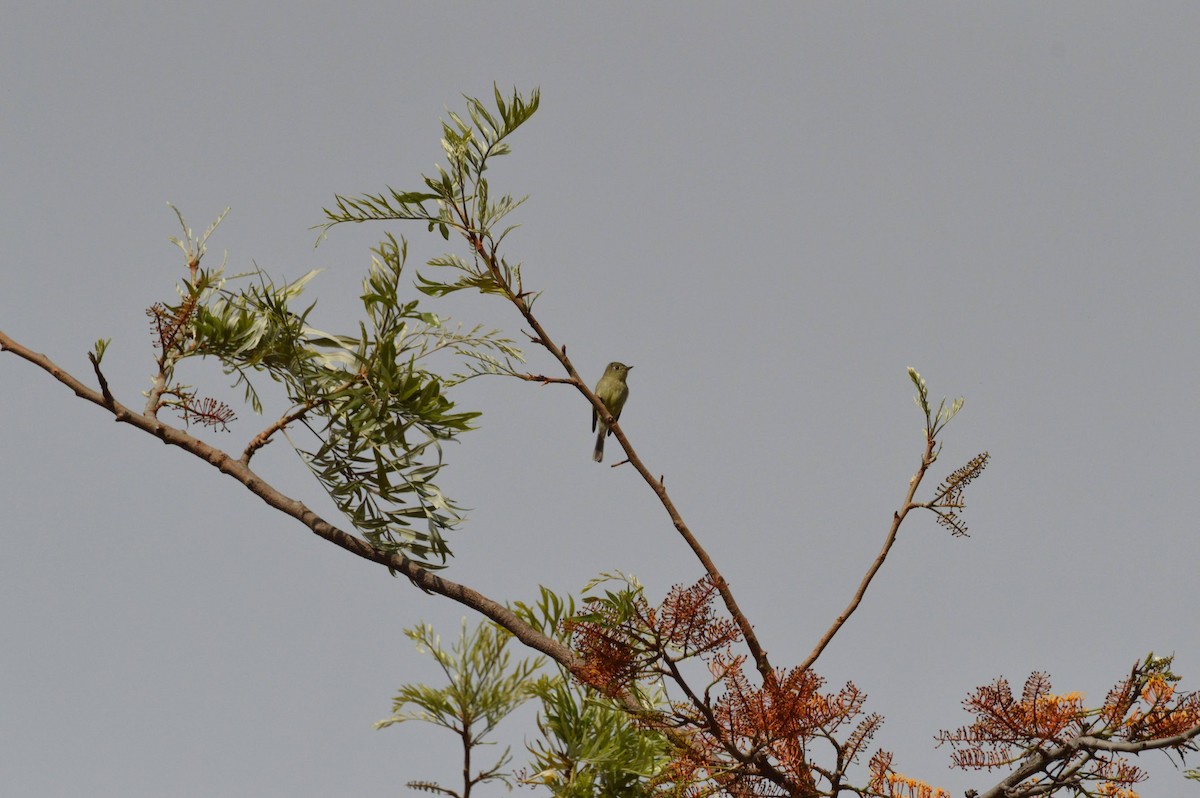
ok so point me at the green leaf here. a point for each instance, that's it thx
(99, 348)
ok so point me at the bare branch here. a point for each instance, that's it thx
(543, 379)
(488, 256)
(109, 401)
(263, 438)
(897, 519)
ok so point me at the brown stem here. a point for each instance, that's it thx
(761, 662)
(466, 743)
(239, 471)
(109, 401)
(263, 438)
(897, 519)
(543, 379)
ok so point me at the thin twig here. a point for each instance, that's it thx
(543, 379)
(109, 401)
(489, 258)
(263, 438)
(897, 520)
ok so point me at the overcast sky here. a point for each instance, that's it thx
(769, 210)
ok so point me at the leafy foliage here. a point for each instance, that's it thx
(935, 420)
(948, 502)
(377, 413)
(458, 199)
(483, 687)
(590, 746)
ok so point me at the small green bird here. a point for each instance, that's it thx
(613, 391)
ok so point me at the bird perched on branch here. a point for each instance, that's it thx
(613, 391)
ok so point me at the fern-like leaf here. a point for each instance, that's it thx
(948, 500)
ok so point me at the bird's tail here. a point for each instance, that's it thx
(598, 452)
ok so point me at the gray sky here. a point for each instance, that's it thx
(770, 211)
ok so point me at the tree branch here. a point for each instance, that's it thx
(241, 472)
(263, 438)
(1008, 786)
(1137, 746)
(897, 519)
(761, 662)
(109, 401)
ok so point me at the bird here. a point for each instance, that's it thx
(613, 392)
